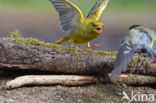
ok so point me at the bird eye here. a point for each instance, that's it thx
(94, 25)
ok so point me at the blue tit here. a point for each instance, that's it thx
(140, 39)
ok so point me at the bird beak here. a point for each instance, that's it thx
(98, 29)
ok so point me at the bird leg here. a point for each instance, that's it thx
(72, 45)
(88, 45)
(77, 48)
(95, 45)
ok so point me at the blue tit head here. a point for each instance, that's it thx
(134, 26)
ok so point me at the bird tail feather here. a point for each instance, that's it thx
(123, 57)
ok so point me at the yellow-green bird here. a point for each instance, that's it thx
(81, 29)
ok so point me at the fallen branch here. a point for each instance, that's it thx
(70, 80)
(73, 80)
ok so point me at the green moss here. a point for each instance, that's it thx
(87, 99)
(135, 59)
(139, 58)
(113, 57)
(16, 34)
(98, 52)
(17, 37)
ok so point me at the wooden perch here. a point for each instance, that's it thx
(73, 80)
(26, 56)
(54, 59)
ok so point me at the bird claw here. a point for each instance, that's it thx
(78, 49)
(96, 45)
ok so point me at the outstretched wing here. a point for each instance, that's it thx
(97, 9)
(124, 56)
(70, 15)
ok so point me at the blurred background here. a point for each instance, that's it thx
(38, 19)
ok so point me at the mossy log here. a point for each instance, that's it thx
(30, 54)
(26, 56)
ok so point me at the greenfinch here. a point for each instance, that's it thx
(81, 29)
(139, 39)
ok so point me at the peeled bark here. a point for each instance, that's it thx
(68, 80)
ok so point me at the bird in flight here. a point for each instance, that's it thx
(139, 39)
(81, 29)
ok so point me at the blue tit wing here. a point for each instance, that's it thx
(97, 9)
(70, 15)
(123, 57)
